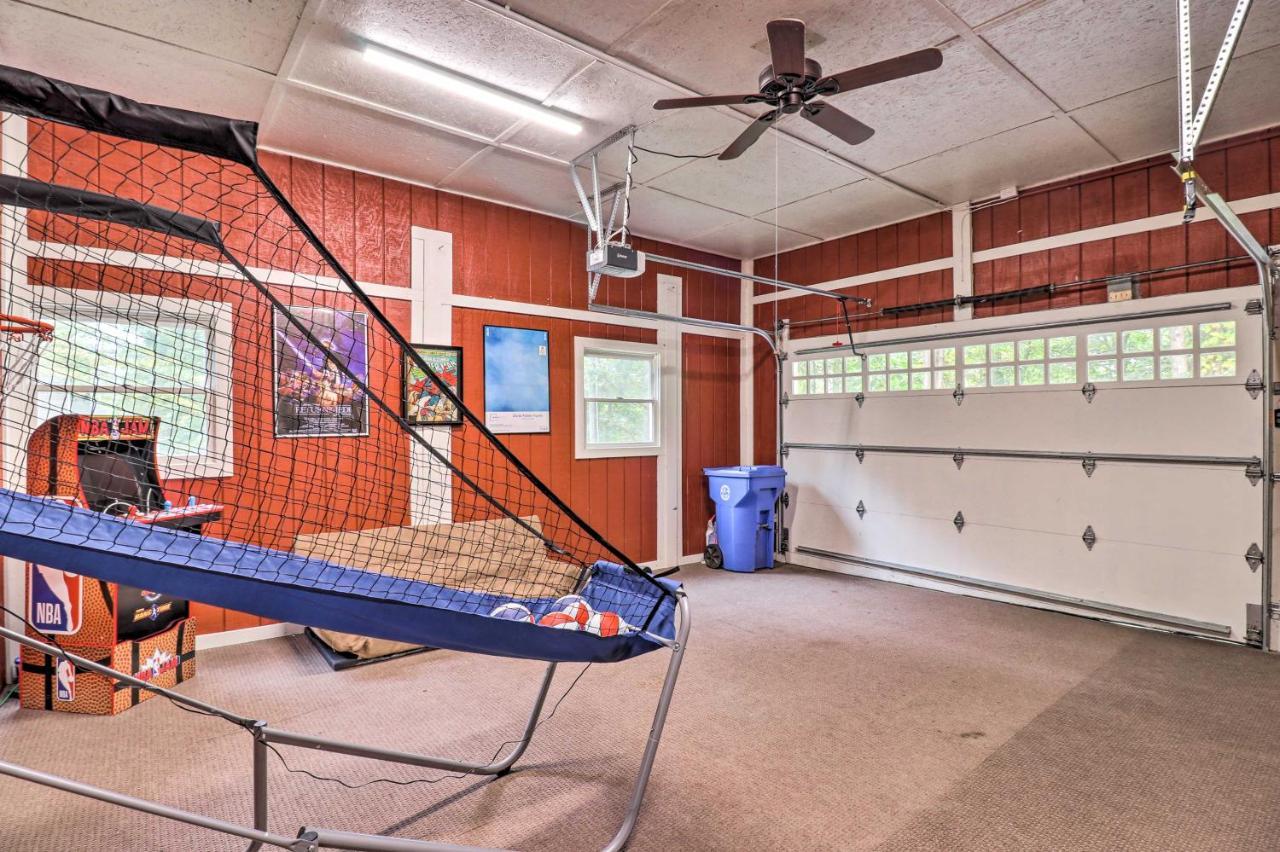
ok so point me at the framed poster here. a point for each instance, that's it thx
(313, 397)
(517, 380)
(424, 404)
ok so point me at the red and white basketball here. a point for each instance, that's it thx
(576, 606)
(560, 621)
(605, 624)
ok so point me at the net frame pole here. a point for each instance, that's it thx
(312, 839)
(407, 349)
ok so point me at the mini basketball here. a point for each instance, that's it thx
(512, 612)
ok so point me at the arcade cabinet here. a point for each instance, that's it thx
(105, 464)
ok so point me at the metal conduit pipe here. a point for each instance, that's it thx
(1017, 329)
(1050, 455)
(772, 282)
(1262, 259)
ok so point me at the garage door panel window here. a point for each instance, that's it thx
(1177, 352)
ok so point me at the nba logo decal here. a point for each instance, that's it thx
(54, 600)
(66, 681)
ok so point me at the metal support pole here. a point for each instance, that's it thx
(330, 839)
(98, 668)
(123, 800)
(259, 784)
(290, 738)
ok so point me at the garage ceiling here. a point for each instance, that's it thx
(1029, 92)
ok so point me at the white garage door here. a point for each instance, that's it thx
(1101, 460)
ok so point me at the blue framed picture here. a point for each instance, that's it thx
(517, 380)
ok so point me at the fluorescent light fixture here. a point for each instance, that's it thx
(420, 69)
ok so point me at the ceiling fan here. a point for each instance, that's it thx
(792, 82)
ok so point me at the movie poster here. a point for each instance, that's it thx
(517, 380)
(424, 404)
(313, 396)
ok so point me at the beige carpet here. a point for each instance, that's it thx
(816, 711)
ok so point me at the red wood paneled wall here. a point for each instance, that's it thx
(710, 406)
(499, 252)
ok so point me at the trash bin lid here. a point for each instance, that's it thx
(746, 471)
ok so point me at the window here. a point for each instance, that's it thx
(617, 397)
(155, 357)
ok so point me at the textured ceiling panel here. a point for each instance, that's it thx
(1145, 122)
(605, 98)
(1083, 52)
(254, 33)
(750, 238)
(855, 207)
(746, 185)
(686, 131)
(667, 217)
(517, 179)
(975, 13)
(966, 99)
(90, 54)
(598, 22)
(323, 129)
(1026, 156)
(331, 58)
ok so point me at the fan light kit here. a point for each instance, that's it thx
(475, 90)
(793, 81)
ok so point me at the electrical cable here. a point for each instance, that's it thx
(675, 156)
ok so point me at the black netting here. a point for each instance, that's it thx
(186, 294)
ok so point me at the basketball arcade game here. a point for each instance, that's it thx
(469, 561)
(107, 464)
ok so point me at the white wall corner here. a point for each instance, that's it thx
(962, 257)
(747, 379)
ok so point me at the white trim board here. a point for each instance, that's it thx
(480, 303)
(208, 641)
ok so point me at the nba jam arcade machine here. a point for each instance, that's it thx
(105, 464)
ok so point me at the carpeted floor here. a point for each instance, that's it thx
(815, 711)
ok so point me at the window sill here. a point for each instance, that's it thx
(615, 452)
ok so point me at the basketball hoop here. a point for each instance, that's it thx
(20, 341)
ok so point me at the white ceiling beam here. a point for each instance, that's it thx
(640, 71)
(971, 37)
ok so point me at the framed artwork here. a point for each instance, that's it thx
(517, 380)
(314, 398)
(424, 404)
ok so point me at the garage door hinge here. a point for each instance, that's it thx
(1253, 471)
(786, 399)
(861, 510)
(1089, 464)
(1090, 538)
(958, 395)
(958, 520)
(785, 451)
(1090, 390)
(1253, 307)
(859, 399)
(1253, 624)
(1253, 384)
(1254, 557)
(958, 458)
(860, 454)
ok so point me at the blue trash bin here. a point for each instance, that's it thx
(744, 498)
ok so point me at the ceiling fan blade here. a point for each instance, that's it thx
(786, 46)
(749, 136)
(712, 100)
(837, 123)
(881, 72)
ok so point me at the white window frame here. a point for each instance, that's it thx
(584, 346)
(60, 303)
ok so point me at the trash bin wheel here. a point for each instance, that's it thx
(713, 557)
